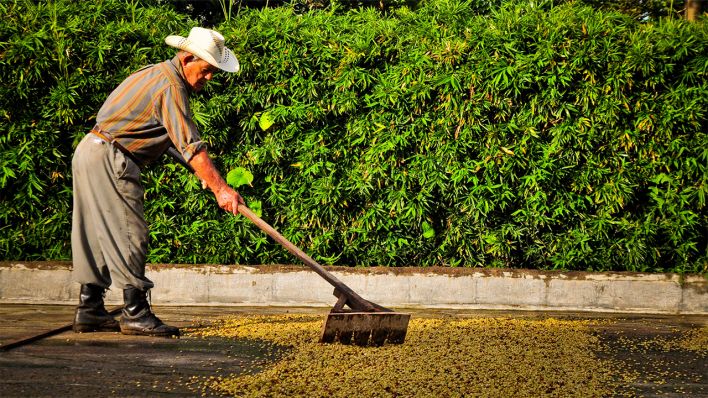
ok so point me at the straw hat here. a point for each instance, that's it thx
(208, 45)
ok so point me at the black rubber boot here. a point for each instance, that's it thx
(91, 314)
(138, 318)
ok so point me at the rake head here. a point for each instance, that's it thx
(365, 328)
(364, 324)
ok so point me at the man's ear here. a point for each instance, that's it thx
(186, 58)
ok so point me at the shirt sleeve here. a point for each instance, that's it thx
(173, 111)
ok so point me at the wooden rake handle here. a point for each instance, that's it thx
(354, 301)
(344, 294)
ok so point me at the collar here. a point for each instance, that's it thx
(180, 72)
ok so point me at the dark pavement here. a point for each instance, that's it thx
(111, 364)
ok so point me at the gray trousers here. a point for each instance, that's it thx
(109, 234)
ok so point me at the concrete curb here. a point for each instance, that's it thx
(453, 288)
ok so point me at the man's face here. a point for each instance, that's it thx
(198, 72)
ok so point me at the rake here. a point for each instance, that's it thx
(364, 323)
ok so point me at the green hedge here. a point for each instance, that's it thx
(537, 135)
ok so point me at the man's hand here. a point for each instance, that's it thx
(229, 199)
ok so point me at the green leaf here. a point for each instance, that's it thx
(239, 176)
(428, 231)
(265, 121)
(256, 206)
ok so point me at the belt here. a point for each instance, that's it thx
(106, 136)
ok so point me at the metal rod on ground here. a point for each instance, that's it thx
(39, 336)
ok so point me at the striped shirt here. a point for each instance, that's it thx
(149, 111)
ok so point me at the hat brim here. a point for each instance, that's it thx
(229, 64)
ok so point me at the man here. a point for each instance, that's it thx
(147, 114)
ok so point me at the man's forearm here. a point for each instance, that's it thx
(206, 171)
(204, 168)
